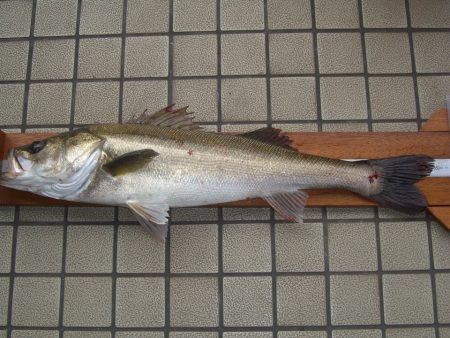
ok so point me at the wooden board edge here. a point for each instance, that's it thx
(437, 122)
(441, 214)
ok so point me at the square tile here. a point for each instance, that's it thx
(139, 334)
(97, 102)
(195, 55)
(244, 99)
(349, 213)
(289, 14)
(194, 214)
(444, 332)
(293, 98)
(391, 213)
(247, 335)
(137, 252)
(339, 53)
(337, 14)
(83, 214)
(388, 53)
(4, 297)
(6, 234)
(299, 247)
(246, 214)
(204, 334)
(49, 103)
(135, 296)
(89, 248)
(147, 16)
(101, 17)
(194, 248)
(392, 97)
(200, 95)
(443, 296)
(344, 126)
(99, 58)
(433, 91)
(53, 59)
(35, 301)
(194, 15)
(241, 15)
(384, 13)
(301, 300)
(431, 51)
(404, 245)
(408, 299)
(141, 95)
(246, 248)
(243, 54)
(37, 214)
(343, 98)
(146, 56)
(194, 302)
(352, 247)
(429, 15)
(417, 332)
(39, 249)
(302, 334)
(15, 18)
(357, 334)
(87, 334)
(247, 301)
(354, 300)
(55, 18)
(14, 58)
(87, 301)
(299, 47)
(441, 246)
(3, 334)
(402, 126)
(35, 334)
(11, 96)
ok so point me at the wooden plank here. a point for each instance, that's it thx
(335, 145)
(437, 122)
(442, 214)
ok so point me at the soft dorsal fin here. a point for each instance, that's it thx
(152, 216)
(129, 162)
(270, 135)
(167, 117)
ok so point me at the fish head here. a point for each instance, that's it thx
(48, 164)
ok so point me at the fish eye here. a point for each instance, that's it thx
(37, 146)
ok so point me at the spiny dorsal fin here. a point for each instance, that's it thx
(270, 135)
(129, 162)
(167, 117)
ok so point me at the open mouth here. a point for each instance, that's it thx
(11, 167)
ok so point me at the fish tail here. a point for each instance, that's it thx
(396, 178)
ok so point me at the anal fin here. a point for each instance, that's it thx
(289, 205)
(152, 216)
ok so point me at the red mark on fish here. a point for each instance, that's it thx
(169, 109)
(373, 177)
(190, 152)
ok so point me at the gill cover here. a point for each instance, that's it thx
(60, 167)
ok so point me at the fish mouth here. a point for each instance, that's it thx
(10, 168)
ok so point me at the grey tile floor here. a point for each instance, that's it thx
(303, 65)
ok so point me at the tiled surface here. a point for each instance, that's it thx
(301, 65)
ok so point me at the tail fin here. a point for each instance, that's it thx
(397, 178)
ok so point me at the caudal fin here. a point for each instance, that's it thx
(397, 178)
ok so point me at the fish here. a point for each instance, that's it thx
(157, 161)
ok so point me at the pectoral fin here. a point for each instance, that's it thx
(129, 162)
(152, 216)
(289, 205)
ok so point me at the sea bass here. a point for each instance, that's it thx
(163, 160)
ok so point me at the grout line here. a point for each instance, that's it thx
(268, 74)
(11, 275)
(29, 68)
(327, 273)
(274, 274)
(74, 80)
(122, 59)
(413, 64)
(238, 76)
(364, 56)
(220, 270)
(380, 273)
(317, 74)
(114, 272)
(170, 76)
(244, 31)
(219, 69)
(63, 273)
(432, 276)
